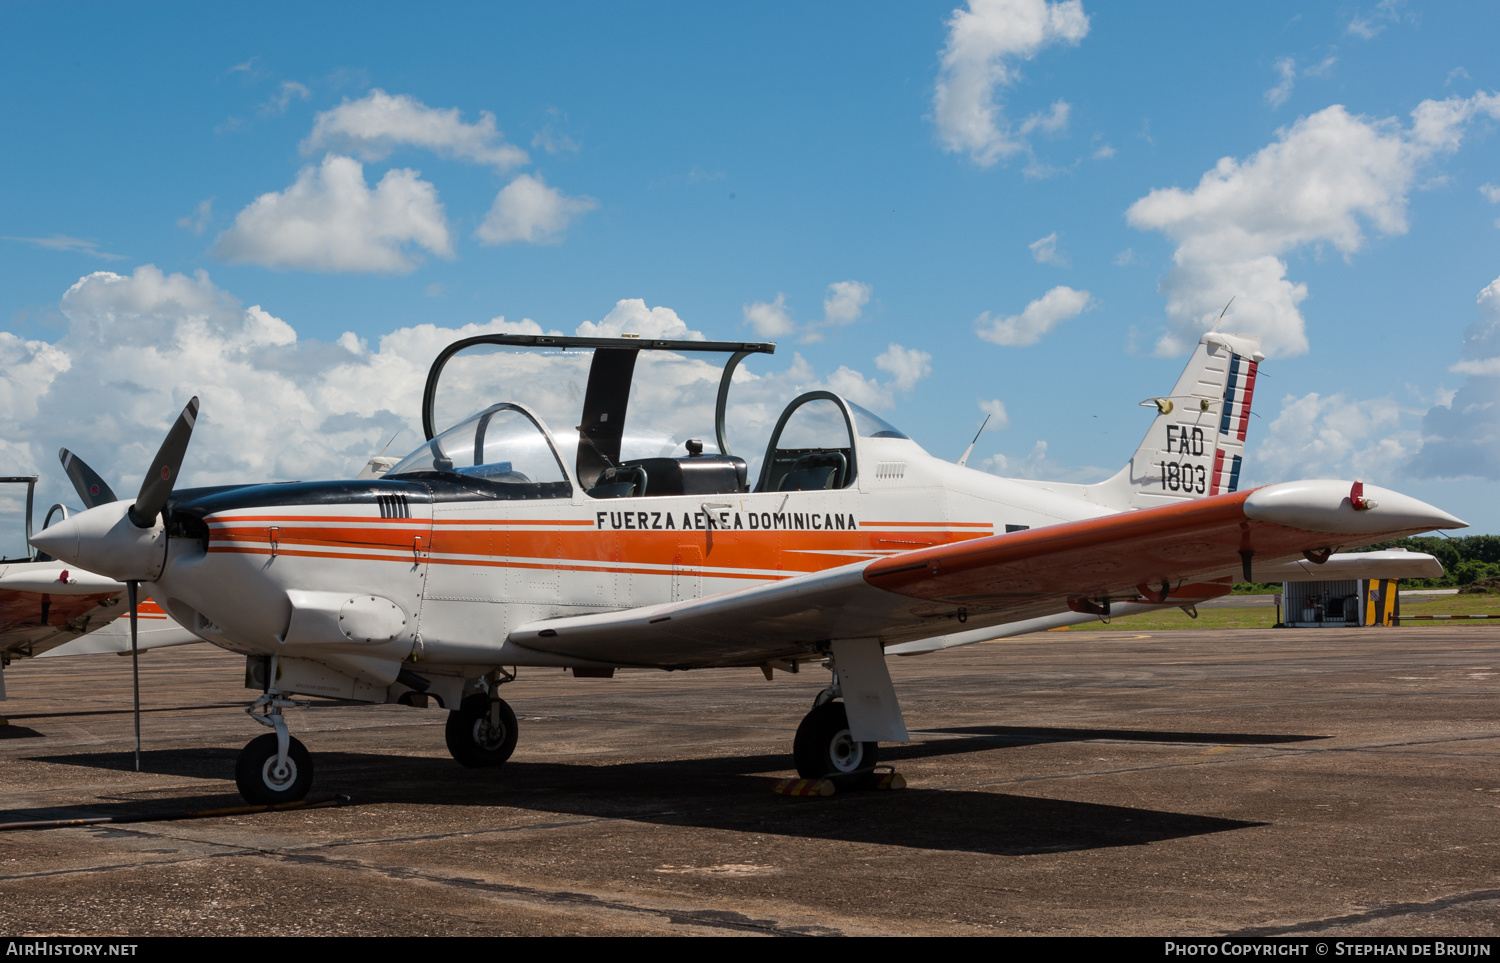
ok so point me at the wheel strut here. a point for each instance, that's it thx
(272, 719)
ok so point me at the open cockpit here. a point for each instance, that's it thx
(648, 417)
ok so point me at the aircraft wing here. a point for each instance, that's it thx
(1147, 555)
(154, 630)
(1353, 565)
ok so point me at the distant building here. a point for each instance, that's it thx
(1340, 603)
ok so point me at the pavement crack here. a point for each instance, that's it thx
(713, 919)
(1388, 911)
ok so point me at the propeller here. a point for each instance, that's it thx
(86, 482)
(132, 597)
(157, 487)
(155, 491)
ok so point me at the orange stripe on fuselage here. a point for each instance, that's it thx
(936, 525)
(509, 545)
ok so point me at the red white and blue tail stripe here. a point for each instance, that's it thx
(1234, 422)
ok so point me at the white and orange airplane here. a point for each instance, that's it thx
(539, 532)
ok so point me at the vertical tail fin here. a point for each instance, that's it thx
(1196, 445)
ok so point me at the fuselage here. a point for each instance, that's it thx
(445, 569)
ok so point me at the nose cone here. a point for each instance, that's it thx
(104, 540)
(60, 540)
(1329, 506)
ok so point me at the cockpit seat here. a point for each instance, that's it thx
(694, 475)
(622, 482)
(816, 471)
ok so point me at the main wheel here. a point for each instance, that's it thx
(256, 774)
(473, 739)
(825, 749)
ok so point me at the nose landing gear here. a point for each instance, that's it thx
(273, 768)
(265, 779)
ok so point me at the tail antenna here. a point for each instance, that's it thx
(1215, 328)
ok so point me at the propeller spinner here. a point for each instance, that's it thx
(111, 538)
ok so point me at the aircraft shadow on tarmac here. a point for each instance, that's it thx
(1032, 735)
(712, 793)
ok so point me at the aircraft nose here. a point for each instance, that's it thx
(105, 541)
(60, 540)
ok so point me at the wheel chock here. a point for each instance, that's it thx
(886, 777)
(803, 787)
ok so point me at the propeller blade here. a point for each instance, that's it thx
(132, 593)
(86, 482)
(157, 487)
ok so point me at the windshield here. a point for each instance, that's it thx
(871, 425)
(503, 445)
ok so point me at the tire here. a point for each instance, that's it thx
(472, 741)
(253, 772)
(824, 749)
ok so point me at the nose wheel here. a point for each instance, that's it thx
(481, 731)
(264, 779)
(273, 768)
(825, 749)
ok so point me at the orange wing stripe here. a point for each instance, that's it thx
(1098, 555)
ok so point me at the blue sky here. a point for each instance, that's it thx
(872, 186)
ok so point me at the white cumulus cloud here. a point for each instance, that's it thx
(1367, 26)
(197, 222)
(378, 123)
(1052, 121)
(986, 44)
(906, 366)
(1461, 438)
(528, 210)
(770, 319)
(631, 316)
(845, 302)
(994, 410)
(1326, 179)
(1039, 317)
(1044, 251)
(276, 406)
(1039, 465)
(330, 220)
(1278, 95)
(1333, 436)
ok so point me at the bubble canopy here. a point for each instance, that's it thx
(587, 386)
(503, 444)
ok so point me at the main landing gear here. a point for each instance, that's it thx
(482, 730)
(825, 749)
(273, 768)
